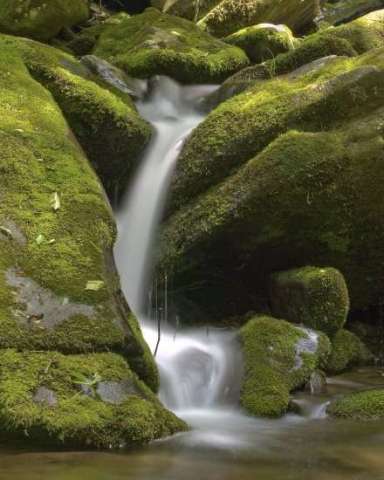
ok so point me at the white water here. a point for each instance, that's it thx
(200, 369)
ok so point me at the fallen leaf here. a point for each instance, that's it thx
(55, 202)
(94, 285)
(40, 239)
(6, 231)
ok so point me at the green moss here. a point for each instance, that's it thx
(105, 123)
(41, 19)
(315, 297)
(359, 406)
(347, 351)
(232, 15)
(58, 400)
(52, 254)
(158, 44)
(275, 364)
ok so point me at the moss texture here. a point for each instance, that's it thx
(158, 44)
(232, 15)
(359, 406)
(315, 297)
(276, 364)
(105, 123)
(306, 198)
(264, 41)
(347, 351)
(81, 401)
(59, 234)
(41, 19)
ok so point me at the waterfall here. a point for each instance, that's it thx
(198, 368)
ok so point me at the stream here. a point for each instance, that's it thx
(200, 369)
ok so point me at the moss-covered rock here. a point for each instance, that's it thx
(315, 297)
(105, 123)
(41, 19)
(311, 196)
(347, 351)
(59, 289)
(81, 401)
(158, 44)
(343, 11)
(367, 405)
(232, 15)
(278, 358)
(189, 9)
(263, 41)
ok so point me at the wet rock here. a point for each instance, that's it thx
(41, 19)
(317, 383)
(362, 406)
(158, 44)
(346, 10)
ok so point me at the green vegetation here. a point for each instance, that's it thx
(41, 19)
(275, 364)
(158, 44)
(347, 351)
(315, 297)
(367, 405)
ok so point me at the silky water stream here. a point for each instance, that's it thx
(200, 369)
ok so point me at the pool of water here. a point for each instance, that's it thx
(228, 445)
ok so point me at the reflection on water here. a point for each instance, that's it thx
(227, 445)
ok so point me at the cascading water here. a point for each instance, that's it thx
(198, 368)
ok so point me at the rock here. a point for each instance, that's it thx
(317, 383)
(41, 19)
(168, 45)
(66, 232)
(186, 8)
(279, 358)
(263, 41)
(348, 40)
(43, 405)
(363, 406)
(315, 297)
(346, 10)
(232, 15)
(271, 189)
(106, 123)
(347, 351)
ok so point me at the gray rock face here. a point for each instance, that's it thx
(116, 392)
(46, 396)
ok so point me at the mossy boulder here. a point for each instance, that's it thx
(347, 351)
(364, 406)
(315, 297)
(41, 19)
(278, 358)
(78, 401)
(158, 44)
(232, 15)
(348, 40)
(104, 120)
(59, 289)
(343, 11)
(263, 41)
(281, 177)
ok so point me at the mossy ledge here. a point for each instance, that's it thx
(362, 406)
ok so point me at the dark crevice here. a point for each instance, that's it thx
(130, 6)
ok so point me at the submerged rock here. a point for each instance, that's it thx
(104, 121)
(158, 44)
(41, 19)
(315, 297)
(284, 175)
(364, 406)
(228, 16)
(347, 351)
(41, 401)
(278, 358)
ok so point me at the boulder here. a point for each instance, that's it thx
(343, 11)
(347, 351)
(315, 297)
(158, 44)
(78, 401)
(41, 19)
(263, 41)
(281, 177)
(363, 406)
(103, 118)
(278, 358)
(232, 15)
(59, 289)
